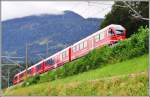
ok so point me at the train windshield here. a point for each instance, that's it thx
(110, 32)
(119, 32)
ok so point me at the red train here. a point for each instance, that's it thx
(108, 35)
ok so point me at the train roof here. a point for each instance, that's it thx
(57, 53)
(19, 73)
(93, 34)
(112, 25)
(30, 67)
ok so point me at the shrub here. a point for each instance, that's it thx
(31, 80)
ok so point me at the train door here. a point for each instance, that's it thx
(15, 80)
(90, 44)
(42, 67)
(32, 71)
(18, 78)
(55, 60)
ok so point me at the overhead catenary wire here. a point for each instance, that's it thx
(11, 60)
(91, 3)
(105, 4)
(12, 57)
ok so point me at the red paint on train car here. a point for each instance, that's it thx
(70, 54)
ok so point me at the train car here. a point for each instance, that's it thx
(31, 71)
(49, 64)
(37, 68)
(19, 77)
(106, 36)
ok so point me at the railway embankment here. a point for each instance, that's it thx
(125, 78)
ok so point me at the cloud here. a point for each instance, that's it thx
(13, 9)
(20, 9)
(43, 41)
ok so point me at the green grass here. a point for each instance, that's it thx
(80, 85)
(126, 67)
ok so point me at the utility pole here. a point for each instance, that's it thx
(47, 49)
(8, 80)
(26, 60)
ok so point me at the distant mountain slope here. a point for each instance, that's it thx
(61, 31)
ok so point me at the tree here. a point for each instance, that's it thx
(123, 15)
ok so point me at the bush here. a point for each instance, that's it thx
(31, 80)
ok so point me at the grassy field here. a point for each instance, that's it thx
(112, 79)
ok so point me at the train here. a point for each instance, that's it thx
(109, 35)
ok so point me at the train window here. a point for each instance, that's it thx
(102, 35)
(110, 32)
(97, 37)
(28, 71)
(81, 45)
(60, 56)
(21, 75)
(74, 49)
(38, 66)
(64, 54)
(67, 53)
(50, 62)
(85, 44)
(120, 32)
(77, 47)
(15, 78)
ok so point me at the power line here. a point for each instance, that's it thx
(105, 4)
(12, 57)
(11, 60)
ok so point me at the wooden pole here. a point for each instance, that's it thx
(26, 59)
(47, 49)
(8, 72)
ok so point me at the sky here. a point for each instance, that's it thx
(17, 9)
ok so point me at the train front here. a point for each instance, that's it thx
(117, 32)
(120, 32)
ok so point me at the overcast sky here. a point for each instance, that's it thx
(14, 9)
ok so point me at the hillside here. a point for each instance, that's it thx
(125, 78)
